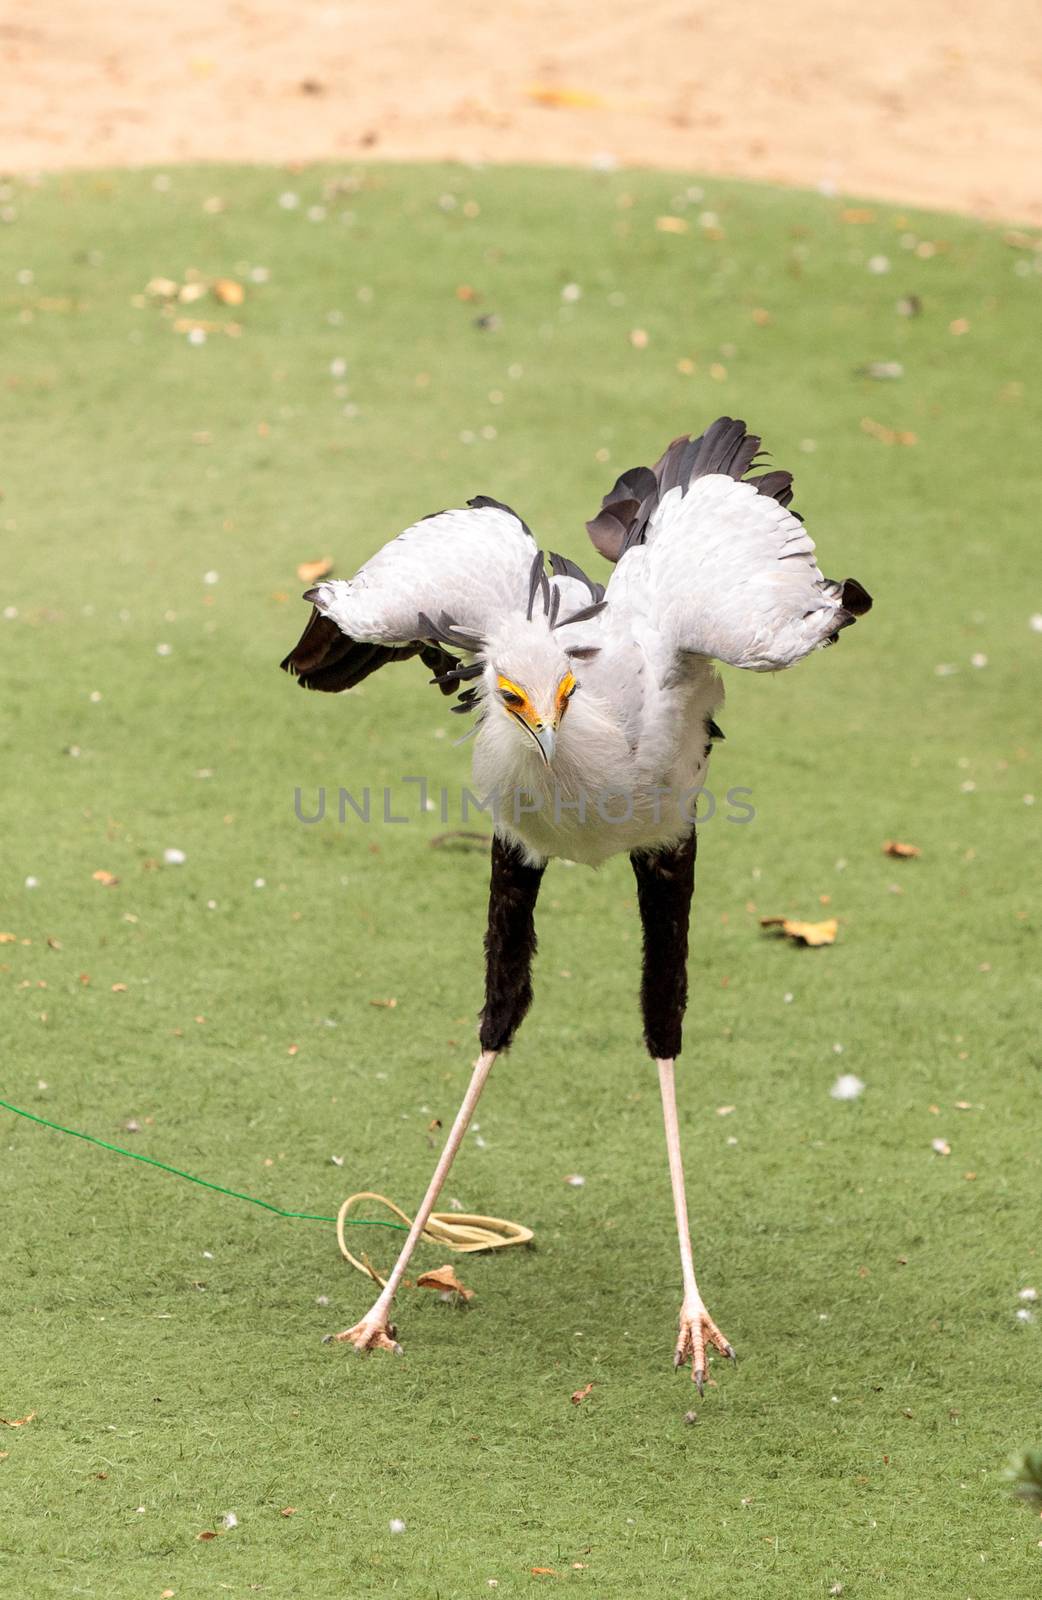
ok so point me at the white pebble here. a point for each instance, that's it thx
(1028, 1294)
(1035, 622)
(230, 1520)
(571, 292)
(879, 264)
(837, 1049)
(338, 367)
(211, 577)
(322, 1300)
(288, 200)
(259, 883)
(197, 336)
(979, 659)
(847, 1087)
(174, 857)
(396, 1525)
(164, 649)
(1024, 1315)
(32, 883)
(575, 1180)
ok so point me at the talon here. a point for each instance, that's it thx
(372, 1333)
(699, 1333)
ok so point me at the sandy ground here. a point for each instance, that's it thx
(933, 102)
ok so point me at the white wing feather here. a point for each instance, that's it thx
(731, 574)
(472, 565)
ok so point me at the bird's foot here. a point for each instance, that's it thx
(697, 1331)
(374, 1332)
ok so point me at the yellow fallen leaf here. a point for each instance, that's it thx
(189, 292)
(444, 1278)
(672, 225)
(388, 1005)
(8, 938)
(288, 1511)
(119, 988)
(885, 435)
(311, 571)
(103, 877)
(580, 1394)
(904, 852)
(542, 1572)
(812, 933)
(559, 98)
(162, 288)
(228, 292)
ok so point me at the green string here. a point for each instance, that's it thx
(135, 1155)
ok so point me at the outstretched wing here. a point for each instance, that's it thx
(434, 590)
(726, 568)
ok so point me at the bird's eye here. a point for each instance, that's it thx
(510, 694)
(565, 689)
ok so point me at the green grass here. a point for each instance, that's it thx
(869, 1285)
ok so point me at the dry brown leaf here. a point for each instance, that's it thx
(207, 1533)
(542, 1572)
(444, 1278)
(8, 938)
(17, 1422)
(162, 288)
(809, 933)
(672, 225)
(288, 1511)
(228, 292)
(857, 214)
(904, 852)
(103, 877)
(311, 571)
(189, 292)
(388, 1005)
(580, 1394)
(119, 988)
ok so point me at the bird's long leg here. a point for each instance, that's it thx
(665, 883)
(509, 948)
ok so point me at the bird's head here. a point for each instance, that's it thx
(529, 684)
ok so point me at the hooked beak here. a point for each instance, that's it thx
(546, 738)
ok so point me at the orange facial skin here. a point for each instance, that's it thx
(519, 705)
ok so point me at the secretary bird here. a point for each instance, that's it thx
(595, 719)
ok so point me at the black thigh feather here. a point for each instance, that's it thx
(665, 883)
(509, 944)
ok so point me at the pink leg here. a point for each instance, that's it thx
(375, 1331)
(696, 1325)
